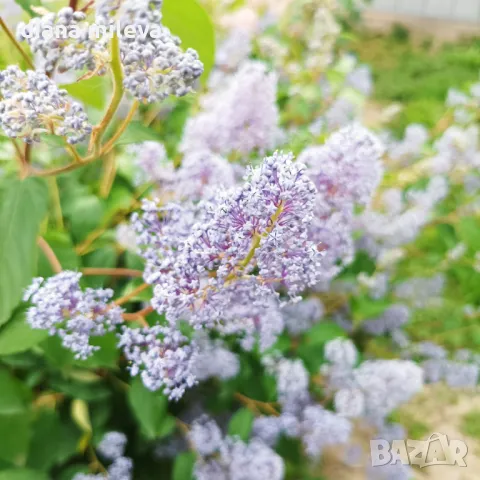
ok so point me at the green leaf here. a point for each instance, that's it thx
(149, 408)
(60, 446)
(167, 427)
(189, 20)
(106, 357)
(365, 308)
(84, 213)
(13, 398)
(27, 4)
(89, 392)
(183, 466)
(323, 332)
(468, 230)
(93, 91)
(241, 424)
(136, 132)
(17, 336)
(105, 257)
(14, 437)
(23, 205)
(22, 474)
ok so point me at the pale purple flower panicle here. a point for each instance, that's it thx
(391, 319)
(112, 445)
(372, 390)
(200, 172)
(75, 50)
(154, 64)
(234, 50)
(410, 148)
(214, 360)
(347, 169)
(206, 436)
(120, 469)
(387, 384)
(32, 105)
(301, 316)
(341, 351)
(229, 458)
(321, 428)
(292, 383)
(151, 159)
(161, 356)
(202, 257)
(61, 307)
(241, 117)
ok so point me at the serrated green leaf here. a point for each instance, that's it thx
(241, 424)
(189, 20)
(149, 408)
(23, 205)
(183, 466)
(17, 336)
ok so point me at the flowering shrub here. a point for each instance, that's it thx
(220, 273)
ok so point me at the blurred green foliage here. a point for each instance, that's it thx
(417, 75)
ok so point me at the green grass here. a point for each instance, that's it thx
(418, 76)
(471, 424)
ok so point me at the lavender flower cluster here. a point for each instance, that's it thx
(154, 64)
(75, 50)
(112, 448)
(227, 124)
(222, 457)
(201, 259)
(301, 418)
(162, 357)
(346, 171)
(372, 390)
(61, 307)
(33, 105)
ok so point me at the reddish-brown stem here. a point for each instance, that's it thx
(132, 294)
(73, 4)
(50, 255)
(113, 272)
(87, 6)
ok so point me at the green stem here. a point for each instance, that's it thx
(94, 156)
(116, 68)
